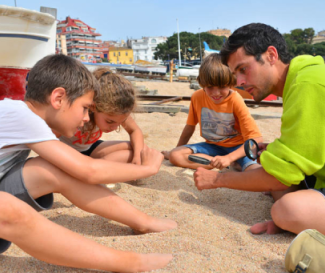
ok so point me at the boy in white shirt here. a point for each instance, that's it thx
(59, 93)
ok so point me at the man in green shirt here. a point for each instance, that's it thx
(257, 54)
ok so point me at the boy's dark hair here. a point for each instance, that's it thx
(255, 39)
(59, 70)
(213, 73)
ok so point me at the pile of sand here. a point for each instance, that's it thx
(212, 234)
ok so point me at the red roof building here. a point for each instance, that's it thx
(80, 39)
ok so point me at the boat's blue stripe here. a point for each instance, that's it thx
(24, 36)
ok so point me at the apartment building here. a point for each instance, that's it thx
(81, 39)
(144, 48)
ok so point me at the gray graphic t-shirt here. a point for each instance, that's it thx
(217, 126)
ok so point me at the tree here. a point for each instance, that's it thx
(299, 41)
(169, 50)
(297, 35)
(304, 49)
(319, 49)
(291, 45)
(309, 34)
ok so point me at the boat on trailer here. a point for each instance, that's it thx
(26, 36)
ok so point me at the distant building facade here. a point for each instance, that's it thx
(120, 55)
(319, 38)
(144, 48)
(81, 39)
(104, 49)
(220, 32)
(61, 44)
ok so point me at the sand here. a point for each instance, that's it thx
(212, 233)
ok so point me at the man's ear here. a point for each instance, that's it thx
(272, 54)
(58, 96)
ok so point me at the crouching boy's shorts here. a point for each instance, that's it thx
(13, 183)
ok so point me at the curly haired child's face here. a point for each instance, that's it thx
(107, 122)
(217, 94)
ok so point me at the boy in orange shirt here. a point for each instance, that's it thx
(224, 120)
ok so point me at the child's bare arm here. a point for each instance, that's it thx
(186, 135)
(136, 139)
(96, 171)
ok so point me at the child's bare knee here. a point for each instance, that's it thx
(174, 157)
(12, 210)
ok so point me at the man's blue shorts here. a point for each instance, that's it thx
(214, 150)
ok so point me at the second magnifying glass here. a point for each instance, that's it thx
(251, 149)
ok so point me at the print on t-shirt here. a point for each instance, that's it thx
(216, 127)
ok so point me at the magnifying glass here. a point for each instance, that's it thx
(198, 159)
(251, 149)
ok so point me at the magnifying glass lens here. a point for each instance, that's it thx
(251, 149)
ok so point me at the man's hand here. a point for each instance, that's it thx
(220, 162)
(205, 179)
(262, 148)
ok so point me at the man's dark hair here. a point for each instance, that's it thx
(59, 70)
(255, 39)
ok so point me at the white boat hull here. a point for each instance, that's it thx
(187, 72)
(150, 69)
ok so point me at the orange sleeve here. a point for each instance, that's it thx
(192, 118)
(246, 122)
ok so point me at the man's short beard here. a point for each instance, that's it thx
(262, 96)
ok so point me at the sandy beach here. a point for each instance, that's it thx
(212, 233)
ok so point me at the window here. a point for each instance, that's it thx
(114, 54)
(68, 29)
(126, 53)
(119, 53)
(154, 41)
(130, 60)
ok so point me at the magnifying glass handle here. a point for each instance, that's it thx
(198, 159)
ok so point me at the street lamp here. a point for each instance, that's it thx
(200, 46)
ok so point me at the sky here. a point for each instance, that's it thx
(123, 19)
